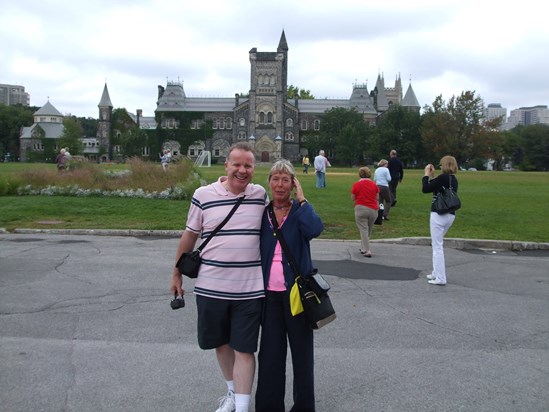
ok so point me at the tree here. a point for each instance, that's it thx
(399, 129)
(72, 135)
(344, 134)
(294, 91)
(89, 126)
(513, 147)
(12, 119)
(458, 128)
(536, 147)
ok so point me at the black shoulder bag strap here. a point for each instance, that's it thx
(218, 228)
(285, 247)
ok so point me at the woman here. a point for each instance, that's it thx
(439, 224)
(365, 194)
(299, 224)
(382, 177)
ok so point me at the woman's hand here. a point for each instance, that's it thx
(298, 191)
(430, 170)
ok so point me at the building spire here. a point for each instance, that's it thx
(105, 98)
(282, 44)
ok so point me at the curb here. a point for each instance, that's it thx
(454, 243)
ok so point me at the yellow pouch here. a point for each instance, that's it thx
(295, 300)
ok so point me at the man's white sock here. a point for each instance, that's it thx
(242, 402)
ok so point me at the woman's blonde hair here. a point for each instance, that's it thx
(364, 172)
(448, 165)
(382, 162)
(282, 166)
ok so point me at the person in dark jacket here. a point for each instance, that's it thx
(439, 224)
(397, 174)
(299, 224)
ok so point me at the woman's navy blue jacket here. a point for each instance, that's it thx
(302, 224)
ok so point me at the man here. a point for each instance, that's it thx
(229, 288)
(320, 165)
(397, 174)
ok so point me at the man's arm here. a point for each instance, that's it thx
(186, 244)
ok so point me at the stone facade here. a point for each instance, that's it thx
(266, 118)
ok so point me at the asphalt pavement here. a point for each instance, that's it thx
(85, 325)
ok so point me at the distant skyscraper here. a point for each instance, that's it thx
(11, 94)
(493, 111)
(528, 115)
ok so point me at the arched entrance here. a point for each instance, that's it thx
(265, 157)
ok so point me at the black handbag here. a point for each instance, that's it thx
(379, 219)
(447, 200)
(189, 262)
(313, 289)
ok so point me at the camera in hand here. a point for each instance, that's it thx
(177, 302)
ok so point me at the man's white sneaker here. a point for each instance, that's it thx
(226, 403)
(436, 282)
(431, 277)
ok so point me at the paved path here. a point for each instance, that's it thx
(85, 325)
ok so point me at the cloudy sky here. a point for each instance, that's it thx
(66, 50)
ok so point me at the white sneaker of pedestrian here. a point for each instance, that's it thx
(226, 403)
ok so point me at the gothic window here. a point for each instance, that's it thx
(289, 123)
(215, 124)
(269, 118)
(222, 123)
(317, 125)
(273, 78)
(289, 136)
(216, 152)
(241, 135)
(242, 122)
(117, 149)
(145, 151)
(229, 123)
(261, 118)
(304, 125)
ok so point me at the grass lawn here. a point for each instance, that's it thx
(495, 205)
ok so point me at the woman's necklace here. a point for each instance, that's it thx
(285, 207)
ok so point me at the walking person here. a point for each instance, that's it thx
(306, 163)
(229, 288)
(165, 159)
(397, 174)
(365, 194)
(382, 177)
(61, 160)
(299, 223)
(439, 224)
(320, 164)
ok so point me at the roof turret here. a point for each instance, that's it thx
(105, 98)
(48, 110)
(410, 99)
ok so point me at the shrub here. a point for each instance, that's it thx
(143, 179)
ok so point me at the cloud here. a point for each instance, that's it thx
(69, 49)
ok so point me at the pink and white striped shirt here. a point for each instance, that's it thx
(231, 262)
